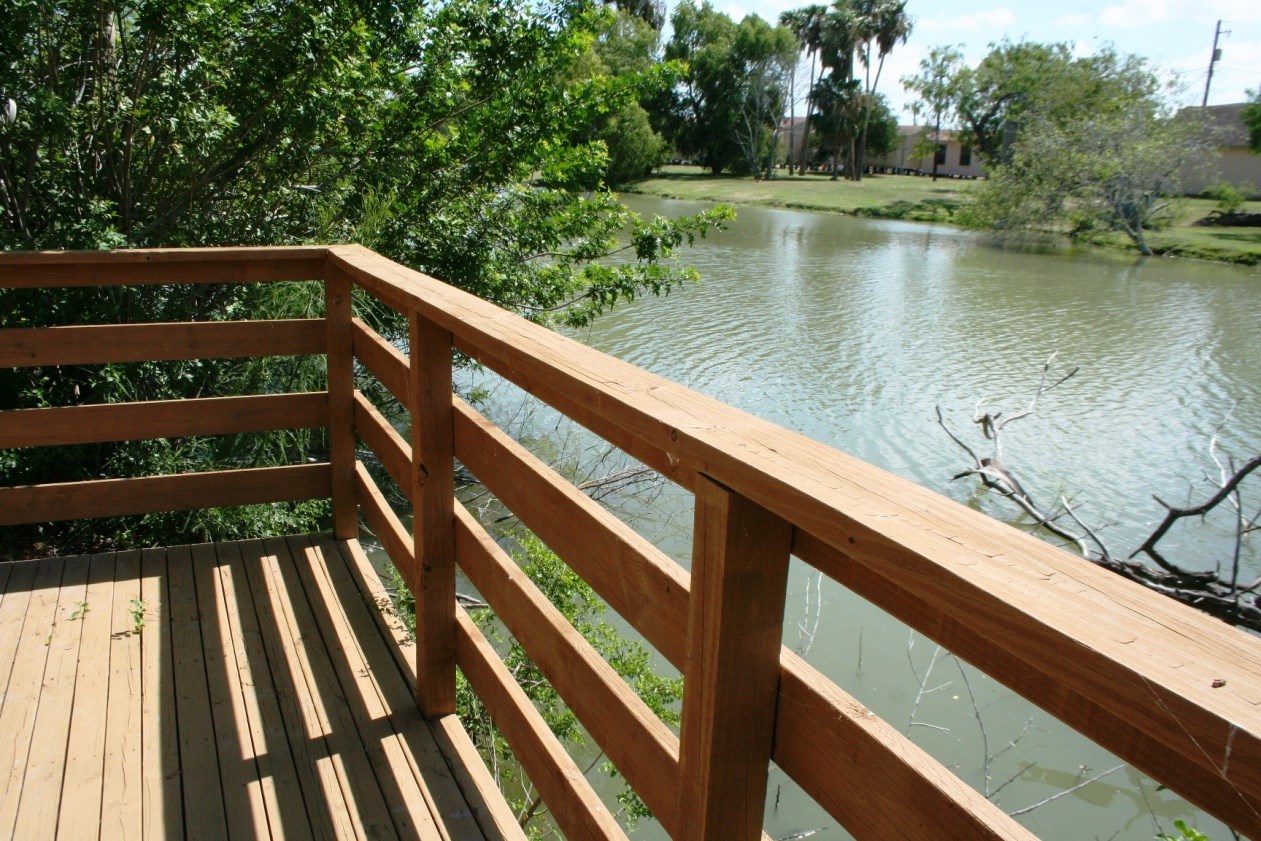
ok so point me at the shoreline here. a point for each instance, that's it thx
(919, 199)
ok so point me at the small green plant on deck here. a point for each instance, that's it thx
(137, 609)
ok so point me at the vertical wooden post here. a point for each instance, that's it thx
(731, 677)
(341, 403)
(433, 509)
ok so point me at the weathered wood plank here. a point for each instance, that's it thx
(341, 403)
(321, 771)
(241, 779)
(14, 601)
(869, 776)
(98, 344)
(465, 793)
(157, 798)
(735, 620)
(205, 813)
(383, 360)
(637, 579)
(433, 501)
(570, 800)
(119, 497)
(1147, 724)
(46, 762)
(130, 267)
(1121, 660)
(262, 732)
(20, 704)
(384, 441)
(335, 708)
(80, 814)
(161, 419)
(641, 747)
(383, 730)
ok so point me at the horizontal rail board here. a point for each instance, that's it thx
(387, 445)
(29, 269)
(151, 494)
(1116, 709)
(1098, 640)
(569, 798)
(383, 360)
(118, 343)
(638, 580)
(873, 779)
(642, 748)
(386, 525)
(162, 419)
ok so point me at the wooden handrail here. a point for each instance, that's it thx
(1174, 692)
(1163, 686)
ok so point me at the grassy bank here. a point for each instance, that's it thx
(923, 200)
(899, 196)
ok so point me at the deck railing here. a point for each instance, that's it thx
(1173, 692)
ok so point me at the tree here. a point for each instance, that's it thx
(932, 85)
(733, 94)
(623, 55)
(884, 23)
(1252, 119)
(1115, 171)
(1021, 82)
(1073, 143)
(806, 24)
(415, 128)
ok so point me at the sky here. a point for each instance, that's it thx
(1175, 36)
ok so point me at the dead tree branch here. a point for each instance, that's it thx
(1220, 594)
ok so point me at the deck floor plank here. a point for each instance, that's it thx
(80, 814)
(21, 698)
(364, 799)
(238, 768)
(240, 690)
(204, 811)
(45, 765)
(382, 730)
(122, 789)
(156, 803)
(326, 808)
(279, 781)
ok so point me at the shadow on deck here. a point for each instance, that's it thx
(242, 690)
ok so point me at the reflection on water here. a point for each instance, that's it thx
(853, 332)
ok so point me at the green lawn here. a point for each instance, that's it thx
(808, 192)
(922, 199)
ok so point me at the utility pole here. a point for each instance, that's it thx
(1213, 59)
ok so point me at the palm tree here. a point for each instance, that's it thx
(806, 24)
(886, 23)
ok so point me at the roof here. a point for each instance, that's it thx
(1227, 122)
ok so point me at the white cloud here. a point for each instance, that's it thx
(990, 19)
(1236, 11)
(1075, 20)
(1133, 13)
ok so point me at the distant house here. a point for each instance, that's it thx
(954, 160)
(1237, 164)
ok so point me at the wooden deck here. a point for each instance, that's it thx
(235, 690)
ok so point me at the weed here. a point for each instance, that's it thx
(137, 615)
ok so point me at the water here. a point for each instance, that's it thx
(854, 332)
